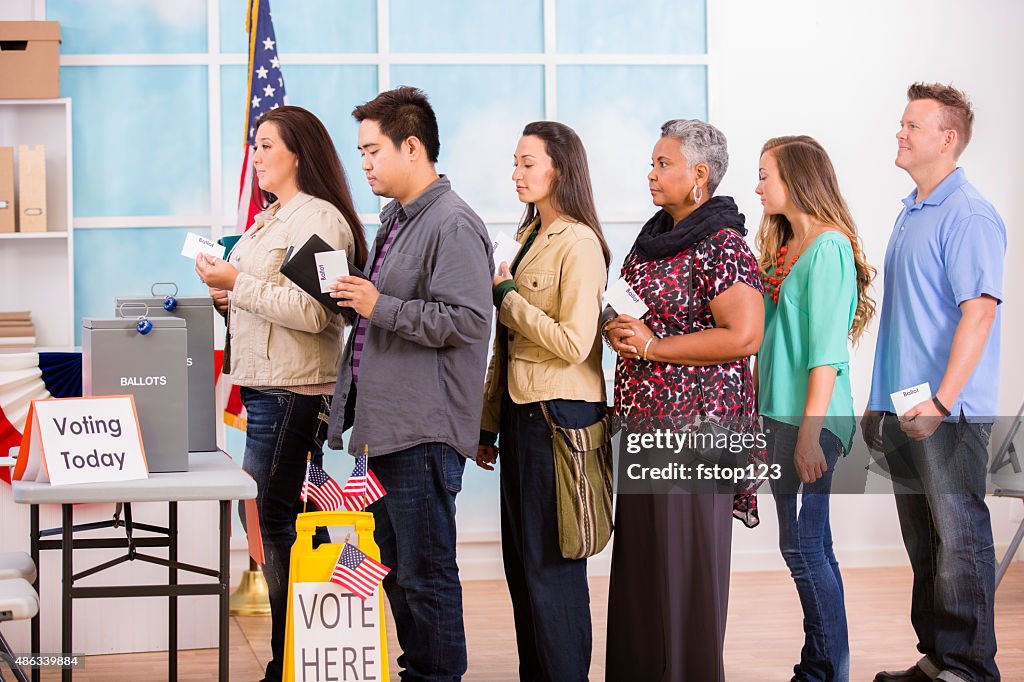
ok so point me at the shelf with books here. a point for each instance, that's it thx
(37, 268)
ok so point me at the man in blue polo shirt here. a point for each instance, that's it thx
(940, 324)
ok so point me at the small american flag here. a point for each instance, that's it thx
(321, 489)
(357, 572)
(362, 488)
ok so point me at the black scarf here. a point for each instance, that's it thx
(661, 238)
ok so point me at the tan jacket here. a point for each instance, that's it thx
(280, 336)
(553, 348)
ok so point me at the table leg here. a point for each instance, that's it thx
(172, 579)
(36, 637)
(225, 587)
(67, 573)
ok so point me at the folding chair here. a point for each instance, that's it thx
(1007, 478)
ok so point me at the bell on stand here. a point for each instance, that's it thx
(252, 596)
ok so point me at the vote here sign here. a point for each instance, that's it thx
(337, 636)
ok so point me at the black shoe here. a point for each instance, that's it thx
(912, 674)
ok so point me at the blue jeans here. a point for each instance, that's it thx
(282, 427)
(805, 538)
(550, 595)
(948, 535)
(415, 530)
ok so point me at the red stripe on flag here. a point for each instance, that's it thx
(9, 438)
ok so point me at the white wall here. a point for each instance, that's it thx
(839, 72)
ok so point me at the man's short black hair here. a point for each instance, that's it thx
(403, 113)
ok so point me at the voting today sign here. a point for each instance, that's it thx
(82, 440)
(337, 636)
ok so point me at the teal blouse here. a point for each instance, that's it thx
(809, 328)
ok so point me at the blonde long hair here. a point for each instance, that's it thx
(806, 171)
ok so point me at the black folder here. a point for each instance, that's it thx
(300, 267)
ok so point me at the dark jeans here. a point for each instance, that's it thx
(550, 595)
(282, 427)
(948, 535)
(415, 530)
(805, 539)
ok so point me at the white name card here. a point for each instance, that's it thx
(330, 265)
(82, 440)
(505, 250)
(906, 399)
(196, 244)
(336, 635)
(621, 297)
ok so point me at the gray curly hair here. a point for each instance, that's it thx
(701, 143)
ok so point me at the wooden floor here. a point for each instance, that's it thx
(761, 646)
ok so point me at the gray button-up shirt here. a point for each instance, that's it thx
(421, 372)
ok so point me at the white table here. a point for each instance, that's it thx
(211, 476)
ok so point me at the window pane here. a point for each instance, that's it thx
(618, 112)
(306, 25)
(644, 27)
(129, 26)
(460, 26)
(141, 144)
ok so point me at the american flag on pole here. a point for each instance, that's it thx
(321, 489)
(362, 488)
(265, 92)
(357, 572)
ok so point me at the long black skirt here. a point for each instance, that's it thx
(669, 588)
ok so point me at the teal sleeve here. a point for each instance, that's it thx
(502, 290)
(831, 302)
(488, 438)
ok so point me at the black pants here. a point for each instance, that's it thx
(282, 427)
(550, 595)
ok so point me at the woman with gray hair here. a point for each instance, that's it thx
(687, 359)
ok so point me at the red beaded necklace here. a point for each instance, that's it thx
(773, 283)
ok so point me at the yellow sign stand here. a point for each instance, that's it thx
(331, 634)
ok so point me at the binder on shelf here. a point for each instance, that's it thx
(32, 188)
(6, 190)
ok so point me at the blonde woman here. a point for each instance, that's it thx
(816, 301)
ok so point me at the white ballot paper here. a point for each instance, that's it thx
(505, 249)
(196, 244)
(621, 297)
(904, 400)
(330, 265)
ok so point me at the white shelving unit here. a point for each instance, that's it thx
(37, 268)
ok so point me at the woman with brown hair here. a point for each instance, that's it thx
(816, 281)
(547, 355)
(284, 346)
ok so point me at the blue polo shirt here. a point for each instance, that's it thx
(943, 251)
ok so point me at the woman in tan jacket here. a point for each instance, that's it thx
(547, 349)
(284, 346)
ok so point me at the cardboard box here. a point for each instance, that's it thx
(6, 189)
(31, 188)
(29, 59)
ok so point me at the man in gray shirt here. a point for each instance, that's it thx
(412, 373)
